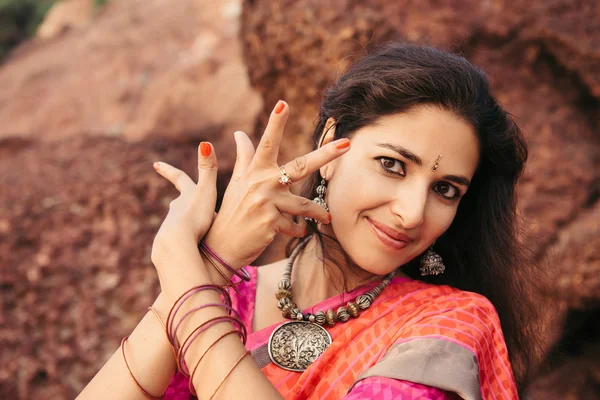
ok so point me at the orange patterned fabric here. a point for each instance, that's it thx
(404, 311)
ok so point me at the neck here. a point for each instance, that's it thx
(316, 277)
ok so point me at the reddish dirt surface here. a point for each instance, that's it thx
(77, 220)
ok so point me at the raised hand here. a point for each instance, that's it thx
(189, 218)
(255, 203)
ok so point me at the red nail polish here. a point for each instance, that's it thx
(343, 145)
(279, 107)
(330, 217)
(205, 149)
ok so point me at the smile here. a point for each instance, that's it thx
(387, 240)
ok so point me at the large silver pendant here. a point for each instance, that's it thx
(296, 344)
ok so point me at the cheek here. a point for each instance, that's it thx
(438, 219)
(352, 192)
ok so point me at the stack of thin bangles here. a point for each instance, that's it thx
(171, 326)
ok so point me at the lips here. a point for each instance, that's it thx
(390, 232)
(396, 242)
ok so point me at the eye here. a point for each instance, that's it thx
(392, 166)
(446, 190)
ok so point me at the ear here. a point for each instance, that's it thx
(327, 137)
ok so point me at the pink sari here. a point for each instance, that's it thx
(400, 349)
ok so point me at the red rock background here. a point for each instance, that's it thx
(88, 105)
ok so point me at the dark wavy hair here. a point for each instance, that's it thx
(480, 249)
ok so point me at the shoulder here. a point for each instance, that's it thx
(470, 307)
(424, 311)
(469, 312)
(446, 338)
(424, 302)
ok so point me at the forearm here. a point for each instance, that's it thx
(246, 381)
(149, 356)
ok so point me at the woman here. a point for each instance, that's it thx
(407, 281)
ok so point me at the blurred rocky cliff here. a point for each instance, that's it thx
(99, 94)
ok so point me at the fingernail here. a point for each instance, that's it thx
(343, 144)
(156, 166)
(205, 149)
(279, 107)
(330, 217)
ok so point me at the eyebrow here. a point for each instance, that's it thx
(459, 179)
(403, 152)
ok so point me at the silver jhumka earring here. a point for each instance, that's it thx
(431, 263)
(320, 199)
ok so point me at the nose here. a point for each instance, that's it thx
(409, 206)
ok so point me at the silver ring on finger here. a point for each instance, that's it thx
(284, 178)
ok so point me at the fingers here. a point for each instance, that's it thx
(207, 173)
(207, 165)
(176, 176)
(301, 206)
(303, 166)
(207, 170)
(268, 148)
(244, 156)
(288, 227)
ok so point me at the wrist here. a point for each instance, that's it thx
(220, 247)
(177, 281)
(162, 306)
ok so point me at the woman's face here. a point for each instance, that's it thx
(388, 204)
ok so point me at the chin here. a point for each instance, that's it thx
(375, 260)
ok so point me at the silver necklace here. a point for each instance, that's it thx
(295, 345)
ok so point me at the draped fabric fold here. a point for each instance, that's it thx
(434, 336)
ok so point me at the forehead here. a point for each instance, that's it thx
(426, 131)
